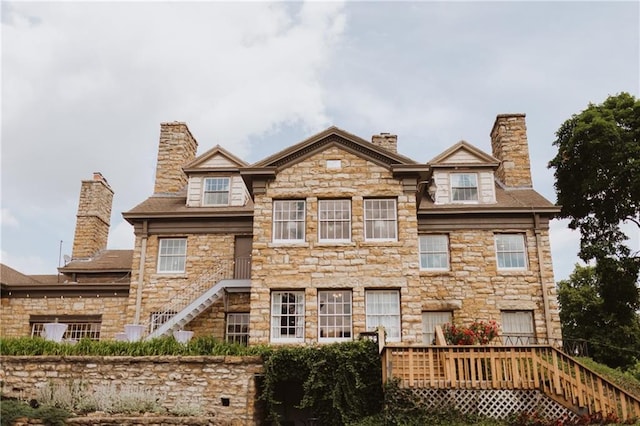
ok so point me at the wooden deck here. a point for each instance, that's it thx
(535, 367)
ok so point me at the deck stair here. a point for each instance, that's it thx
(512, 371)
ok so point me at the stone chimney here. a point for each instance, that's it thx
(93, 218)
(386, 141)
(177, 147)
(509, 145)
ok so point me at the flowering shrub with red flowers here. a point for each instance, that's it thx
(478, 333)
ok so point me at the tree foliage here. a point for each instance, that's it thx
(597, 172)
(612, 339)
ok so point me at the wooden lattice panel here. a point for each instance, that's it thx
(498, 404)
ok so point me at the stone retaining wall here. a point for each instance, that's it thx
(225, 386)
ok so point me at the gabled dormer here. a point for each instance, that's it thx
(214, 180)
(463, 174)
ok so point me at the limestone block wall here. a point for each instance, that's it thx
(113, 311)
(207, 379)
(212, 322)
(475, 289)
(205, 254)
(355, 265)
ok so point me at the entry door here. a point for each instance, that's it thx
(242, 251)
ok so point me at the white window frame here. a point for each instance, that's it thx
(380, 213)
(172, 255)
(383, 309)
(237, 328)
(78, 326)
(518, 327)
(292, 320)
(156, 319)
(431, 247)
(333, 215)
(509, 247)
(216, 190)
(289, 220)
(335, 316)
(463, 185)
(430, 319)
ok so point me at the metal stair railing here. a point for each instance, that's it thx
(223, 270)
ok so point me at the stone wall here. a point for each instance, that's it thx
(206, 253)
(208, 379)
(112, 309)
(475, 289)
(356, 265)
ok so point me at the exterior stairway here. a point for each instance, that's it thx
(195, 308)
(510, 378)
(199, 296)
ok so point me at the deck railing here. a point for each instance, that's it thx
(542, 368)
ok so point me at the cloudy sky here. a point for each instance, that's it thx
(85, 86)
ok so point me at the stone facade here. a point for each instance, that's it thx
(314, 265)
(94, 217)
(205, 254)
(509, 145)
(112, 309)
(335, 165)
(204, 379)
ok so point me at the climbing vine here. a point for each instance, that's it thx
(341, 382)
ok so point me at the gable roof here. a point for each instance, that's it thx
(215, 151)
(333, 136)
(484, 159)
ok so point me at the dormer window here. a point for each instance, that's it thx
(216, 191)
(464, 187)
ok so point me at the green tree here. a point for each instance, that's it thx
(597, 181)
(584, 316)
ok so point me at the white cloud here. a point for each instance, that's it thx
(8, 219)
(121, 236)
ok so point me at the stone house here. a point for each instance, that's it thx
(317, 243)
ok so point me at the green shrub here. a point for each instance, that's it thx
(206, 345)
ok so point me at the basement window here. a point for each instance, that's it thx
(78, 326)
(237, 328)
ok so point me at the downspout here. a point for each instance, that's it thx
(545, 294)
(143, 257)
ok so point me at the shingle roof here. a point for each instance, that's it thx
(11, 276)
(105, 260)
(159, 205)
(508, 199)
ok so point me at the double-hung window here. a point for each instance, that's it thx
(237, 328)
(334, 220)
(380, 219)
(430, 320)
(510, 251)
(434, 252)
(517, 328)
(287, 316)
(172, 255)
(216, 191)
(288, 220)
(383, 309)
(334, 315)
(464, 187)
